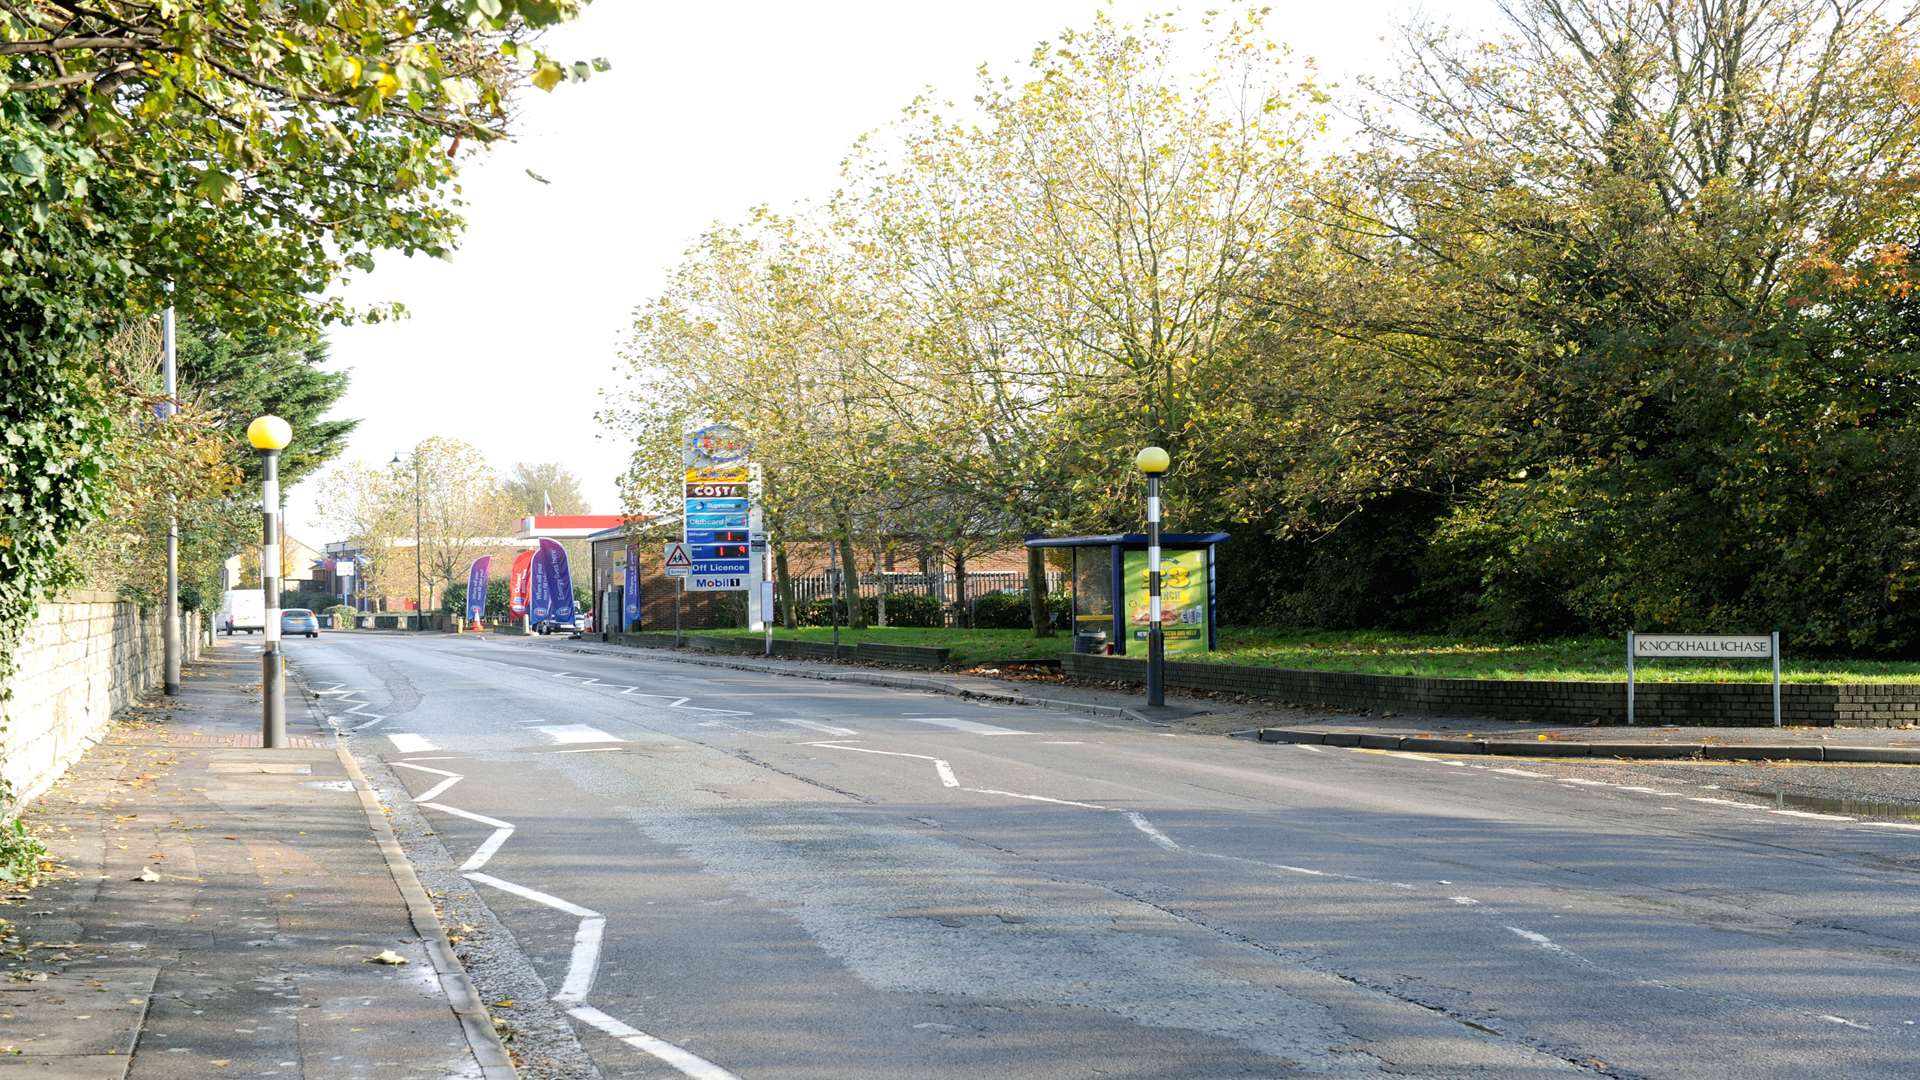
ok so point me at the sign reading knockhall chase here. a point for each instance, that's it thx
(1703, 646)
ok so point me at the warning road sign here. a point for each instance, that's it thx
(679, 561)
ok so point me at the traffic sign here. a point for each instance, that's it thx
(678, 561)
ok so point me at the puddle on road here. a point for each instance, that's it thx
(1880, 809)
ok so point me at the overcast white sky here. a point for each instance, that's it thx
(710, 108)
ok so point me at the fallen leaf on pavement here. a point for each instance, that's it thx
(147, 874)
(387, 956)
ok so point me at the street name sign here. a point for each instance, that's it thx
(1703, 647)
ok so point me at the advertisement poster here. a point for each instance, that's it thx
(1183, 601)
(477, 587)
(630, 597)
(517, 584)
(551, 597)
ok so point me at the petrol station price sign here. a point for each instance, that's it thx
(717, 511)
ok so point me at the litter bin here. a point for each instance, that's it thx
(1090, 644)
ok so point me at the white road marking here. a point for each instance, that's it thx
(1892, 825)
(584, 962)
(536, 896)
(1062, 742)
(575, 733)
(411, 744)
(947, 779)
(963, 725)
(501, 831)
(1724, 802)
(1843, 1020)
(1548, 944)
(824, 729)
(1519, 772)
(1036, 798)
(1308, 749)
(1811, 816)
(1584, 782)
(685, 1062)
(1463, 901)
(1159, 838)
(593, 750)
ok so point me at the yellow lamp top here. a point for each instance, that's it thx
(1152, 460)
(269, 433)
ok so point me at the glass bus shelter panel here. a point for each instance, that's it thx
(1092, 589)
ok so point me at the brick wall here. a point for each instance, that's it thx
(85, 657)
(1703, 704)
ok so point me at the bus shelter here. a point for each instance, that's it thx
(1109, 580)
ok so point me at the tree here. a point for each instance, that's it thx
(533, 487)
(248, 374)
(244, 155)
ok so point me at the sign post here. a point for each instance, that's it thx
(679, 564)
(1704, 647)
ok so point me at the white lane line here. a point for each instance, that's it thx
(1831, 1019)
(963, 725)
(575, 733)
(442, 757)
(1062, 742)
(433, 792)
(1519, 772)
(686, 1062)
(594, 750)
(1724, 802)
(947, 779)
(501, 831)
(824, 729)
(536, 896)
(1159, 838)
(1036, 798)
(1892, 825)
(585, 961)
(1308, 749)
(1548, 944)
(1583, 782)
(1811, 816)
(1463, 901)
(411, 744)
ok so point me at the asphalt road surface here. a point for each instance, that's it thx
(718, 873)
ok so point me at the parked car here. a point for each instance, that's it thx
(299, 620)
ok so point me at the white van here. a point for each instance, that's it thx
(242, 609)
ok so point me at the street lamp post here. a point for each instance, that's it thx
(270, 435)
(419, 601)
(1153, 461)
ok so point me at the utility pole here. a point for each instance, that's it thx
(170, 611)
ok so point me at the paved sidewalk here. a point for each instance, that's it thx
(218, 910)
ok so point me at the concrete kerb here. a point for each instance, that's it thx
(475, 1020)
(1867, 755)
(895, 682)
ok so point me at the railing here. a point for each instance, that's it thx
(942, 585)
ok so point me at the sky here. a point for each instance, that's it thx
(709, 109)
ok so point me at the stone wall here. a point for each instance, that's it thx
(85, 657)
(1703, 704)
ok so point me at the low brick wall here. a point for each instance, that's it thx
(85, 657)
(1693, 704)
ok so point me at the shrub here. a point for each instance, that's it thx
(1007, 610)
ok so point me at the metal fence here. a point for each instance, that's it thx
(942, 585)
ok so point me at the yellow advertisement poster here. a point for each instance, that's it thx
(1183, 601)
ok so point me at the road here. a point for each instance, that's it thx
(718, 873)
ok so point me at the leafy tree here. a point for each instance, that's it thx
(249, 374)
(532, 487)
